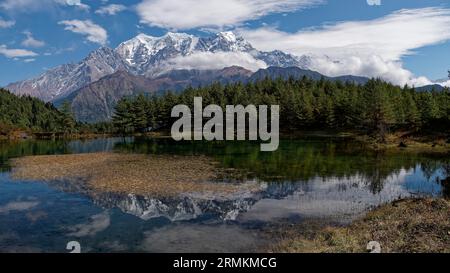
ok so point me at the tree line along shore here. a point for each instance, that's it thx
(380, 112)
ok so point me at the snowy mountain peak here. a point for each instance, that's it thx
(228, 36)
(100, 54)
(150, 56)
(178, 36)
(141, 39)
(144, 54)
(151, 41)
(226, 42)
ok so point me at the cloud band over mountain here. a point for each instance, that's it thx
(371, 48)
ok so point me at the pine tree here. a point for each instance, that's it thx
(379, 110)
(123, 118)
(68, 119)
(304, 110)
(139, 113)
(329, 113)
(412, 113)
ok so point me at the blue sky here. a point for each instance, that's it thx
(404, 41)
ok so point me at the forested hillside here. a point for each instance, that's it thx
(31, 114)
(376, 107)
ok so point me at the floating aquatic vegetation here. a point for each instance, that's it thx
(130, 173)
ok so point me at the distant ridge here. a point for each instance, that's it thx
(429, 88)
(295, 72)
(96, 101)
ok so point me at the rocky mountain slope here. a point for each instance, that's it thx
(95, 102)
(62, 80)
(150, 57)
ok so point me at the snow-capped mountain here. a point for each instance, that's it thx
(224, 41)
(144, 54)
(280, 59)
(148, 56)
(64, 79)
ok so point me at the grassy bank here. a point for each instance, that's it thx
(398, 141)
(406, 226)
(433, 142)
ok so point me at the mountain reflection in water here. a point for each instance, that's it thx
(339, 199)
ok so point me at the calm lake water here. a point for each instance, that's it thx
(328, 180)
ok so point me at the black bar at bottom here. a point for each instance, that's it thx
(220, 262)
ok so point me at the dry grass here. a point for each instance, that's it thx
(427, 144)
(128, 173)
(408, 226)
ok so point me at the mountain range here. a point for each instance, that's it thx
(147, 64)
(149, 57)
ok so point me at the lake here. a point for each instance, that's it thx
(324, 179)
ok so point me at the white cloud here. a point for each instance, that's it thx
(93, 32)
(6, 24)
(17, 206)
(33, 5)
(18, 5)
(391, 37)
(112, 9)
(30, 41)
(369, 66)
(29, 60)
(188, 14)
(76, 3)
(444, 83)
(16, 53)
(218, 60)
(374, 2)
(96, 224)
(371, 48)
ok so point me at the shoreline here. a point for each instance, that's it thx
(397, 142)
(403, 226)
